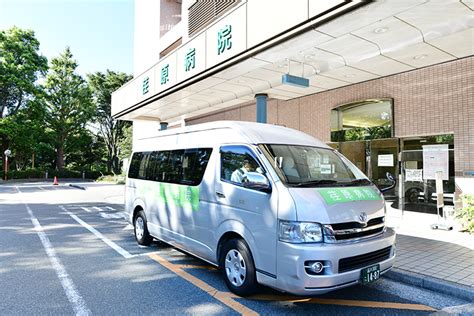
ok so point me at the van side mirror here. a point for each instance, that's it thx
(256, 181)
(390, 178)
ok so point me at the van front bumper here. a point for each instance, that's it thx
(292, 276)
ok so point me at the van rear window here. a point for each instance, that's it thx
(184, 166)
(135, 165)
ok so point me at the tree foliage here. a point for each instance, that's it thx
(63, 125)
(126, 142)
(68, 102)
(111, 130)
(27, 135)
(20, 66)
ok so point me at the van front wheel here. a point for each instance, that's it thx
(238, 267)
(141, 230)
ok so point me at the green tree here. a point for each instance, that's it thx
(26, 133)
(20, 67)
(68, 103)
(125, 143)
(110, 129)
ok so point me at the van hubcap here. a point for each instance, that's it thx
(235, 267)
(139, 228)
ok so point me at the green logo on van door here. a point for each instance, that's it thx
(183, 196)
(342, 195)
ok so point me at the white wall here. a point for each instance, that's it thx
(146, 36)
(144, 129)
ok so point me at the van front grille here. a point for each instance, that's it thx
(350, 225)
(361, 234)
(344, 232)
(361, 261)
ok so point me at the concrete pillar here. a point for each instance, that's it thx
(261, 100)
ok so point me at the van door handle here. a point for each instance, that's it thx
(220, 194)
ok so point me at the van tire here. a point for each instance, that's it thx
(238, 268)
(140, 230)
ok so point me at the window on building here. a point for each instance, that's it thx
(364, 120)
(170, 15)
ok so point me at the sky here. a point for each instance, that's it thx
(99, 32)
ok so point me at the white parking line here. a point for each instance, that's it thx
(111, 216)
(97, 208)
(99, 235)
(86, 209)
(110, 208)
(78, 304)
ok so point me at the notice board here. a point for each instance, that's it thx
(435, 158)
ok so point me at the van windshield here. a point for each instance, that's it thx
(304, 166)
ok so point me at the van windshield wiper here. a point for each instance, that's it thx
(314, 183)
(361, 181)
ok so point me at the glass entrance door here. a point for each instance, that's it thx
(355, 151)
(383, 159)
(421, 157)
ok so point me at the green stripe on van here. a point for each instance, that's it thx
(171, 194)
(180, 195)
(341, 195)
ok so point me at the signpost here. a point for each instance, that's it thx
(7, 154)
(440, 203)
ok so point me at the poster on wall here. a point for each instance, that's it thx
(435, 158)
(385, 160)
(414, 175)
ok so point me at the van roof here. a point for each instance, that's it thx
(249, 132)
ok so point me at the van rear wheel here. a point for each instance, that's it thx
(238, 268)
(141, 230)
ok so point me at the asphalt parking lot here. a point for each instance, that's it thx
(69, 251)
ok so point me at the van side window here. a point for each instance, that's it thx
(194, 164)
(143, 165)
(236, 161)
(151, 166)
(134, 165)
(161, 165)
(174, 167)
(183, 166)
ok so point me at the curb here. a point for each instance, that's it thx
(430, 283)
(77, 186)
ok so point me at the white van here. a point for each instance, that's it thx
(267, 204)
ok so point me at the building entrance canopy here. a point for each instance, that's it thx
(339, 43)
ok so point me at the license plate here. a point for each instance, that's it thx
(370, 274)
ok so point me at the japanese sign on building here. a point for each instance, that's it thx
(190, 59)
(224, 39)
(165, 74)
(146, 85)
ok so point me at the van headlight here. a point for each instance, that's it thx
(300, 232)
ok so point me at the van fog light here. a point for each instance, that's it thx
(316, 267)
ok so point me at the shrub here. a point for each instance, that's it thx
(40, 174)
(117, 179)
(466, 214)
(24, 174)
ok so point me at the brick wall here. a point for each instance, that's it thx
(434, 100)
